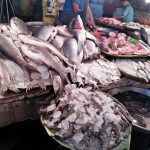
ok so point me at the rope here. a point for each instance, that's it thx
(12, 8)
(1, 10)
(7, 16)
(7, 11)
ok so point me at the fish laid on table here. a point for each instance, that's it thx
(70, 50)
(28, 39)
(91, 48)
(136, 68)
(43, 57)
(20, 78)
(145, 33)
(11, 51)
(97, 72)
(46, 32)
(62, 30)
(18, 26)
(6, 79)
(80, 34)
(58, 41)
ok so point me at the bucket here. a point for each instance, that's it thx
(140, 135)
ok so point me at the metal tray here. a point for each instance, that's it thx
(109, 25)
(125, 56)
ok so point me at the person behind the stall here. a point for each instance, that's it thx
(74, 7)
(128, 14)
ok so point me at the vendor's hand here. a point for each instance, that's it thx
(97, 28)
(90, 22)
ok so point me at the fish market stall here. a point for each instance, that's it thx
(63, 74)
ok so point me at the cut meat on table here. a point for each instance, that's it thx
(110, 21)
(120, 44)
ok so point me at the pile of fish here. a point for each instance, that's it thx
(121, 44)
(133, 25)
(136, 68)
(145, 34)
(110, 21)
(87, 120)
(27, 61)
(41, 57)
(97, 72)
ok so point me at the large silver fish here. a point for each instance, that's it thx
(58, 41)
(70, 50)
(6, 79)
(80, 34)
(19, 76)
(28, 39)
(18, 26)
(46, 32)
(39, 77)
(42, 56)
(11, 51)
(62, 30)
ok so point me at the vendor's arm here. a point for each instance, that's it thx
(126, 13)
(119, 17)
(90, 20)
(76, 6)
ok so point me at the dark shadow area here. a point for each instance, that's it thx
(28, 135)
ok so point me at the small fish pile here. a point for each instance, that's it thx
(142, 70)
(87, 120)
(133, 25)
(42, 55)
(121, 44)
(136, 68)
(98, 72)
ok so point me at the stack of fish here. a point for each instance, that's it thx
(142, 69)
(38, 58)
(136, 68)
(133, 25)
(27, 61)
(87, 120)
(98, 72)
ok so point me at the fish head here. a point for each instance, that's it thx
(18, 25)
(78, 24)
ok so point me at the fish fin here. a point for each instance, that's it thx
(13, 88)
(30, 85)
